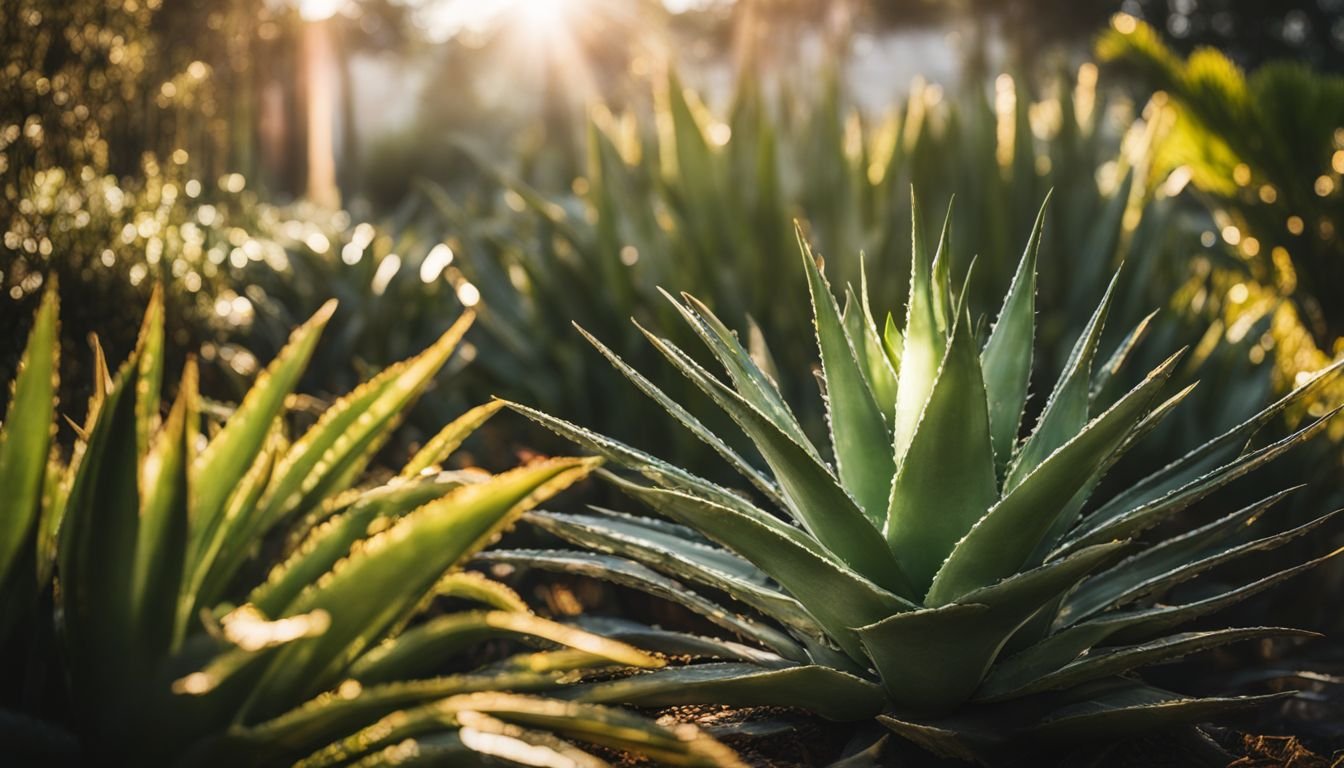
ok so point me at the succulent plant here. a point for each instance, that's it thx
(946, 570)
(135, 614)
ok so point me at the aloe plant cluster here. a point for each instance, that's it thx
(943, 563)
(141, 624)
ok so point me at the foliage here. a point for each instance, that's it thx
(135, 615)
(1266, 153)
(947, 570)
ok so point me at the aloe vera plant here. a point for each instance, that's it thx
(945, 570)
(129, 573)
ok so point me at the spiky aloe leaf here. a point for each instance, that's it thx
(814, 494)
(373, 588)
(911, 649)
(1006, 359)
(828, 692)
(859, 435)
(947, 480)
(149, 378)
(1002, 541)
(925, 336)
(26, 433)
(743, 467)
(1067, 409)
(449, 439)
(424, 647)
(680, 556)
(631, 574)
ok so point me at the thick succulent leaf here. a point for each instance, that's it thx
(350, 429)
(873, 360)
(859, 433)
(475, 587)
(427, 646)
(925, 336)
(1134, 625)
(161, 545)
(333, 540)
(351, 706)
(934, 659)
(1120, 356)
(447, 440)
(1106, 662)
(1128, 522)
(681, 558)
(149, 378)
(1208, 457)
(1006, 359)
(893, 342)
(668, 475)
(220, 468)
(1002, 541)
(816, 497)
(838, 598)
(751, 382)
(1067, 409)
(1123, 713)
(372, 590)
(757, 478)
(1166, 562)
(26, 434)
(628, 573)
(97, 556)
(947, 479)
(828, 692)
(670, 643)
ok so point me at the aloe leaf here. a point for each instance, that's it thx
(1128, 579)
(370, 591)
(830, 693)
(670, 643)
(868, 349)
(97, 556)
(161, 542)
(663, 473)
(681, 558)
(757, 478)
(448, 439)
(1066, 410)
(947, 479)
(351, 705)
(314, 461)
(1207, 457)
(911, 649)
(817, 499)
(476, 588)
(839, 599)
(149, 378)
(1136, 519)
(893, 342)
(1156, 575)
(27, 432)
(1120, 356)
(1005, 537)
(1116, 718)
(925, 336)
(426, 646)
(858, 431)
(1006, 359)
(751, 382)
(628, 573)
(333, 540)
(220, 468)
(1106, 662)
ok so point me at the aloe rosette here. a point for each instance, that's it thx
(133, 576)
(945, 569)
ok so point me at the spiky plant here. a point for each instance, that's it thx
(942, 572)
(135, 614)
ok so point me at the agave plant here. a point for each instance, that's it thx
(945, 572)
(138, 559)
